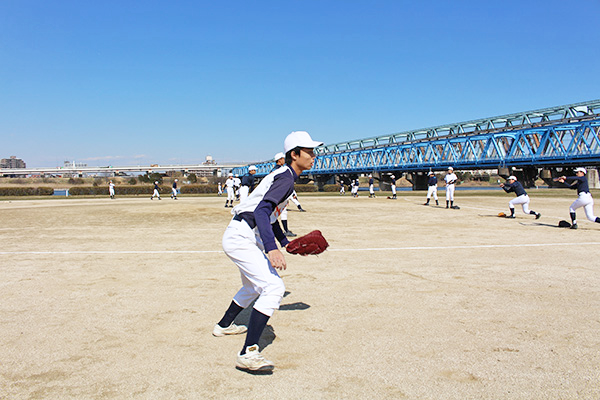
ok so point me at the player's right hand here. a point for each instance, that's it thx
(277, 259)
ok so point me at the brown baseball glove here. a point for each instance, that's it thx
(312, 243)
(501, 214)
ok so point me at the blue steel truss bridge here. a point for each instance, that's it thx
(529, 144)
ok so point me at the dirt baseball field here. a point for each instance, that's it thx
(106, 299)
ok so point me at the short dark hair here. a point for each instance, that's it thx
(288, 155)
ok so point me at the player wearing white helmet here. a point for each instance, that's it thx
(229, 183)
(247, 183)
(249, 242)
(579, 182)
(450, 180)
(156, 191)
(512, 185)
(371, 186)
(219, 189)
(432, 188)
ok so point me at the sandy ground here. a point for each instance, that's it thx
(117, 299)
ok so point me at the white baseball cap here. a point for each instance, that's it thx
(156, 182)
(392, 176)
(279, 156)
(252, 168)
(299, 139)
(230, 174)
(450, 169)
(431, 173)
(175, 180)
(581, 169)
(514, 178)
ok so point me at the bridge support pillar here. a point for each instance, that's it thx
(323, 180)
(525, 175)
(418, 179)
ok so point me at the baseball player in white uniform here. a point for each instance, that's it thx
(355, 185)
(229, 186)
(450, 180)
(249, 242)
(432, 188)
(342, 189)
(111, 189)
(219, 189)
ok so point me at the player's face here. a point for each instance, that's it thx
(306, 159)
(579, 173)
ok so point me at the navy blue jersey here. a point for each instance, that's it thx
(432, 181)
(174, 185)
(156, 186)
(578, 182)
(394, 181)
(248, 180)
(371, 181)
(514, 187)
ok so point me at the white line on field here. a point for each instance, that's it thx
(478, 246)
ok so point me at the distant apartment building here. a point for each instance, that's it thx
(12, 162)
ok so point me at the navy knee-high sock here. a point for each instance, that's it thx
(230, 315)
(285, 225)
(256, 326)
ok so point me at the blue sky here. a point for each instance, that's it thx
(137, 82)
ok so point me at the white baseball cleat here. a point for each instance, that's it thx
(253, 361)
(232, 329)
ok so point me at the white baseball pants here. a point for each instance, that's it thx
(230, 194)
(450, 192)
(259, 279)
(586, 201)
(432, 191)
(111, 191)
(394, 190)
(155, 193)
(244, 191)
(174, 191)
(371, 190)
(523, 200)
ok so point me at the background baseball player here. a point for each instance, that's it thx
(579, 182)
(229, 187)
(450, 180)
(174, 190)
(111, 189)
(393, 183)
(219, 189)
(355, 186)
(156, 191)
(247, 183)
(251, 234)
(237, 183)
(432, 189)
(512, 185)
(371, 186)
(342, 189)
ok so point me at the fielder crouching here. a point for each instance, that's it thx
(252, 233)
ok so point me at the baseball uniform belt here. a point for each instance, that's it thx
(250, 222)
